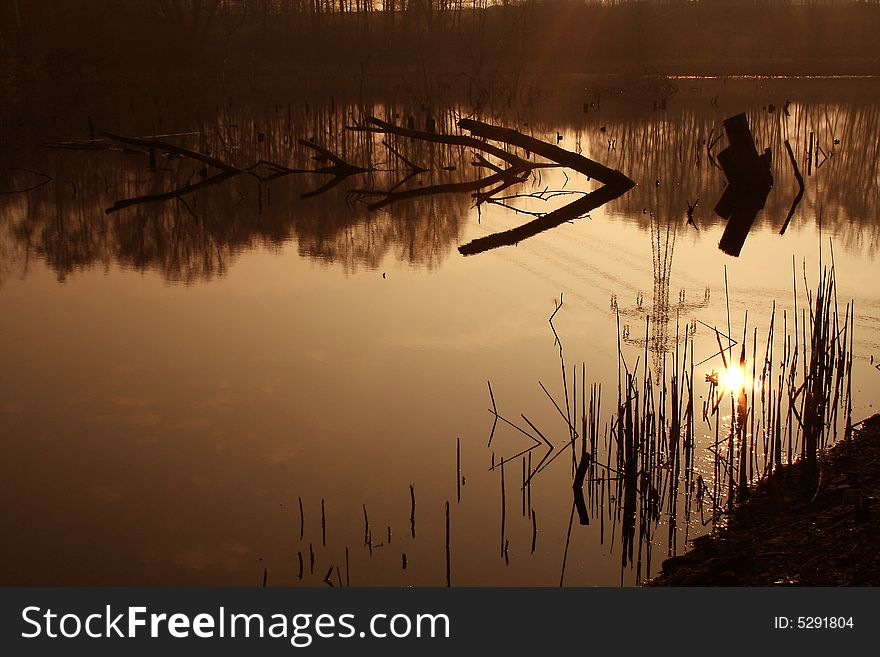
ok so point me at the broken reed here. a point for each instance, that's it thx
(795, 399)
(789, 408)
(640, 467)
(653, 437)
(628, 472)
(800, 392)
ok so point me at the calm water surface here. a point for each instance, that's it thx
(177, 376)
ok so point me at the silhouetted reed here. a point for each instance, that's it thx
(412, 513)
(642, 464)
(780, 408)
(448, 551)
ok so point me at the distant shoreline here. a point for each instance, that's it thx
(479, 43)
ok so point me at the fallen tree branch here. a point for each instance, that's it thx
(449, 188)
(172, 148)
(552, 152)
(553, 219)
(172, 194)
(377, 125)
(414, 168)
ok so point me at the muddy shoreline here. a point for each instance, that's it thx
(789, 533)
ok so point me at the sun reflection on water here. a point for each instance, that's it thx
(734, 379)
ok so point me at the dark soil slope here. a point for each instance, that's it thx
(788, 533)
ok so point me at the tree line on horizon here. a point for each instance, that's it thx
(646, 36)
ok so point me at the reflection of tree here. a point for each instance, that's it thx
(199, 240)
(195, 206)
(670, 154)
(193, 236)
(63, 222)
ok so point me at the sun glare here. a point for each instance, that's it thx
(734, 379)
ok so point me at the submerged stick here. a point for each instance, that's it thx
(412, 513)
(177, 150)
(534, 530)
(173, 194)
(528, 485)
(45, 180)
(503, 510)
(578, 488)
(458, 468)
(800, 182)
(366, 527)
(567, 543)
(550, 220)
(448, 560)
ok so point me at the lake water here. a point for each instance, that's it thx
(177, 376)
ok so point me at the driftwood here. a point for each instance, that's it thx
(580, 503)
(339, 169)
(572, 211)
(552, 152)
(750, 181)
(417, 192)
(172, 148)
(414, 168)
(616, 184)
(514, 170)
(377, 125)
(740, 160)
(172, 194)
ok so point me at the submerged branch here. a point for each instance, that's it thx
(553, 219)
(176, 150)
(800, 182)
(173, 194)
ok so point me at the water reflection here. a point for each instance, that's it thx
(279, 379)
(197, 232)
(662, 317)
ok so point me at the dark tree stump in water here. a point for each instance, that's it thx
(749, 183)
